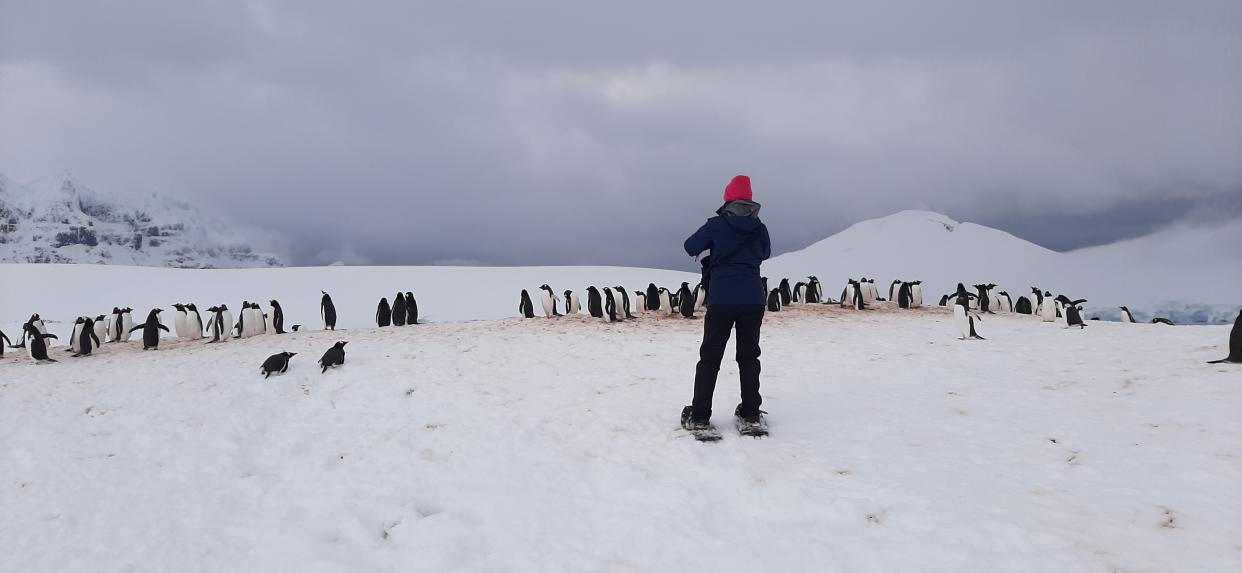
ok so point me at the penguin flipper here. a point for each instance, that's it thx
(162, 327)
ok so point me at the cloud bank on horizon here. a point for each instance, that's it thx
(576, 133)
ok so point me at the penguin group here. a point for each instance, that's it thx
(615, 303)
(402, 311)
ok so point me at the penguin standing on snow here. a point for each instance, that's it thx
(4, 340)
(786, 292)
(75, 336)
(276, 363)
(640, 300)
(916, 294)
(193, 322)
(127, 324)
(1047, 308)
(179, 320)
(525, 306)
(548, 299)
(411, 309)
(383, 315)
(114, 326)
(215, 325)
(962, 317)
(398, 310)
(227, 316)
(278, 317)
(243, 316)
(814, 293)
(892, 289)
(685, 301)
(666, 301)
(904, 296)
(700, 297)
(327, 311)
(335, 356)
(1003, 302)
(610, 306)
(101, 330)
(1073, 315)
(572, 304)
(151, 330)
(774, 300)
(87, 341)
(653, 297)
(1235, 343)
(1023, 305)
(36, 343)
(985, 303)
(624, 311)
(1125, 315)
(595, 303)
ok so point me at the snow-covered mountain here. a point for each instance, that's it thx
(1189, 274)
(56, 219)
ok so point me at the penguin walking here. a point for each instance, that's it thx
(179, 320)
(595, 303)
(75, 336)
(525, 306)
(398, 310)
(151, 330)
(1073, 313)
(383, 315)
(36, 343)
(193, 322)
(278, 317)
(962, 317)
(411, 309)
(334, 357)
(548, 299)
(327, 311)
(1235, 343)
(572, 304)
(276, 363)
(1125, 315)
(653, 297)
(624, 311)
(88, 340)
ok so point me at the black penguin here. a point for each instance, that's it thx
(1160, 320)
(36, 344)
(595, 304)
(151, 330)
(812, 290)
(398, 310)
(276, 363)
(335, 356)
(653, 297)
(1235, 343)
(328, 311)
(625, 304)
(25, 332)
(903, 295)
(4, 340)
(411, 309)
(383, 316)
(774, 300)
(859, 302)
(786, 293)
(1023, 306)
(610, 305)
(984, 301)
(1073, 316)
(525, 306)
(278, 317)
(87, 340)
(944, 300)
(215, 324)
(798, 291)
(685, 300)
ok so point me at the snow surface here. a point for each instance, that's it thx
(1191, 273)
(552, 445)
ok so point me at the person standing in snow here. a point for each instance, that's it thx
(739, 243)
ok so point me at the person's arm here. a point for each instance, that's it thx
(698, 242)
(765, 244)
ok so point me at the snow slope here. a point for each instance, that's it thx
(56, 219)
(1182, 270)
(551, 445)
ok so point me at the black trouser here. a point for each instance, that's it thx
(717, 323)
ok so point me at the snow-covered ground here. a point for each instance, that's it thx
(552, 445)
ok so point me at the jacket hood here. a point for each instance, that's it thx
(743, 216)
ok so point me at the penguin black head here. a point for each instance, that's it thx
(289, 354)
(116, 310)
(340, 344)
(179, 306)
(223, 307)
(545, 286)
(80, 320)
(190, 306)
(1124, 308)
(99, 318)
(273, 302)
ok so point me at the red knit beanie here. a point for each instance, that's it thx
(738, 189)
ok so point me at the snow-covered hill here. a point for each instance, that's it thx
(1191, 274)
(56, 219)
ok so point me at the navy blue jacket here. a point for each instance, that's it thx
(736, 280)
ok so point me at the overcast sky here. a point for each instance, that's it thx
(573, 132)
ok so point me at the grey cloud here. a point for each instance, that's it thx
(570, 133)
